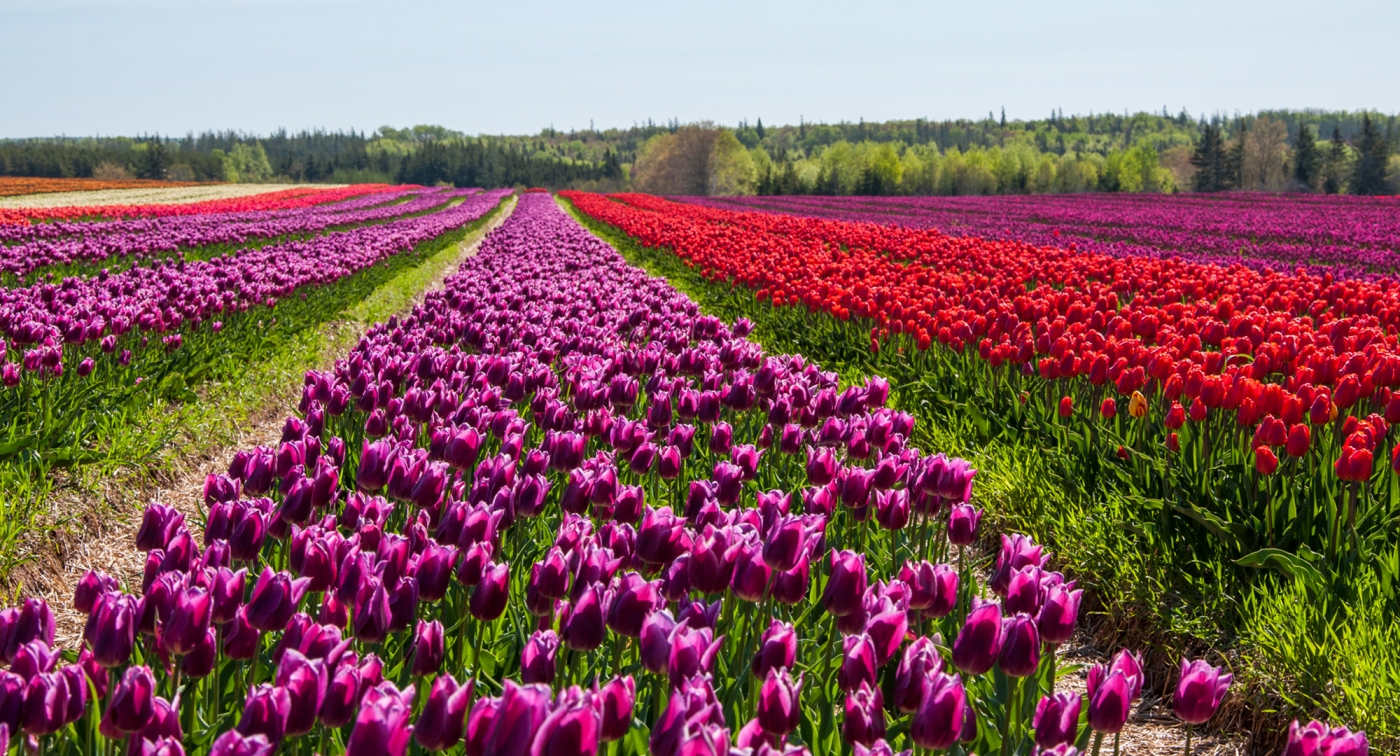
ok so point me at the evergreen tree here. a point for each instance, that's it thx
(1368, 176)
(1234, 162)
(1306, 158)
(760, 128)
(1210, 161)
(1336, 158)
(156, 162)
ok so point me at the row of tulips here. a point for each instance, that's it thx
(83, 248)
(1349, 236)
(75, 349)
(302, 196)
(1221, 370)
(11, 186)
(470, 539)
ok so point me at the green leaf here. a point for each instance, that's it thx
(1285, 562)
(1231, 533)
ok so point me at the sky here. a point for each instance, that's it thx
(126, 67)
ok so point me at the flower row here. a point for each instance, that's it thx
(1350, 236)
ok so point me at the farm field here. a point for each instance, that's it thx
(490, 473)
(163, 193)
(11, 186)
(1348, 236)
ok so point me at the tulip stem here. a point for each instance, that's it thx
(1098, 741)
(1188, 739)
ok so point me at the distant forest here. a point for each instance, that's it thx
(1095, 152)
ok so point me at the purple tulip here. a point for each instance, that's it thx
(130, 704)
(241, 640)
(226, 594)
(428, 648)
(978, 644)
(822, 465)
(265, 711)
(584, 630)
(920, 659)
(1056, 720)
(89, 588)
(537, 658)
(235, 743)
(1024, 591)
(1110, 699)
(189, 619)
(751, 574)
(403, 605)
(858, 664)
(441, 723)
(661, 537)
(1020, 646)
(305, 682)
(614, 703)
(1199, 690)
(474, 561)
(712, 558)
(488, 600)
(381, 727)
(111, 629)
(939, 720)
(784, 544)
(779, 705)
(372, 614)
(655, 641)
(864, 723)
(274, 599)
(342, 694)
(518, 717)
(200, 662)
(1017, 551)
(692, 652)
(1059, 613)
(433, 571)
(45, 702)
(886, 631)
(570, 730)
(158, 525)
(892, 508)
(933, 588)
(847, 583)
(776, 649)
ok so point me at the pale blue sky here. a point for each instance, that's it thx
(128, 66)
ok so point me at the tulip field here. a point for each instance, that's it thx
(1348, 236)
(564, 507)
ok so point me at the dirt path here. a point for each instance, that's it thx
(1152, 730)
(109, 545)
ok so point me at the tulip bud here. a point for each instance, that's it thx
(428, 648)
(537, 658)
(864, 723)
(1056, 720)
(488, 600)
(939, 720)
(978, 644)
(776, 649)
(858, 663)
(439, 726)
(614, 704)
(779, 708)
(1199, 690)
(847, 583)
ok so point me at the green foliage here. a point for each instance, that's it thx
(1373, 152)
(245, 164)
(1307, 160)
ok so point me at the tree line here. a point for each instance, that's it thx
(1325, 151)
